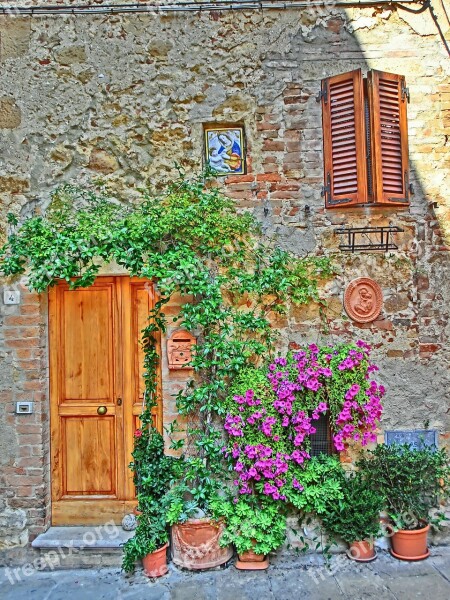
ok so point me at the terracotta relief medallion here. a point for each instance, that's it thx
(363, 300)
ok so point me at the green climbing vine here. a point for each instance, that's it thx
(194, 242)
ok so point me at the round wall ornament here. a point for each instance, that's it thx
(363, 300)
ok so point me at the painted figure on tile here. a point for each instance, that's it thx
(224, 150)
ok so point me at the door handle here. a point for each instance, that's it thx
(119, 401)
(102, 410)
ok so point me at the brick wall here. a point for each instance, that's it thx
(24, 482)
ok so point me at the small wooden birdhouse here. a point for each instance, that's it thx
(179, 349)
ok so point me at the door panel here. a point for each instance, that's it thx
(96, 366)
(87, 345)
(140, 296)
(89, 448)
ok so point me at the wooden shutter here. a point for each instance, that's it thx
(344, 140)
(387, 97)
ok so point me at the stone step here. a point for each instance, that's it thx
(81, 547)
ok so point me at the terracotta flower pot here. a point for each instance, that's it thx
(362, 551)
(155, 564)
(410, 545)
(251, 556)
(250, 561)
(195, 544)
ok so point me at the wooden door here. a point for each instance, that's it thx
(96, 391)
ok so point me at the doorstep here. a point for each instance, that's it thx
(80, 547)
(94, 538)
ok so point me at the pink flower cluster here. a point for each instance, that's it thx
(308, 377)
(259, 463)
(302, 427)
(268, 435)
(233, 425)
(358, 421)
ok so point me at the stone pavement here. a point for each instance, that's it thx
(288, 578)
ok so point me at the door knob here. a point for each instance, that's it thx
(119, 401)
(102, 410)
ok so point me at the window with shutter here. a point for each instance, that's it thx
(365, 139)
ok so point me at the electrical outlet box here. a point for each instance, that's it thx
(11, 297)
(24, 408)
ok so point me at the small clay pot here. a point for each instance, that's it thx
(250, 561)
(362, 551)
(251, 556)
(410, 544)
(155, 563)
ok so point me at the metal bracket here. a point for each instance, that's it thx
(323, 94)
(405, 92)
(359, 238)
(326, 189)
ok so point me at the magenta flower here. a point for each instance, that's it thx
(297, 485)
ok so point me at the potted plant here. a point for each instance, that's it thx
(267, 449)
(196, 523)
(153, 473)
(413, 482)
(150, 540)
(256, 526)
(355, 517)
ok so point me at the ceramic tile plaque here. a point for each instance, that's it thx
(225, 150)
(416, 438)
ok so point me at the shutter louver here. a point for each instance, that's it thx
(389, 138)
(344, 140)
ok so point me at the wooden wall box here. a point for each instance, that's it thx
(179, 349)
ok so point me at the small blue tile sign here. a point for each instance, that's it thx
(415, 438)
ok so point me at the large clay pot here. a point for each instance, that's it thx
(195, 544)
(155, 564)
(363, 551)
(410, 545)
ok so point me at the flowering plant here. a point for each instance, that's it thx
(271, 414)
(333, 380)
(263, 456)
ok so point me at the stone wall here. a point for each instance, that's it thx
(121, 98)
